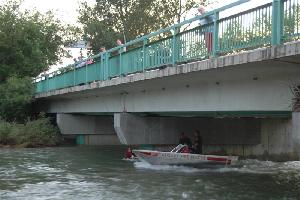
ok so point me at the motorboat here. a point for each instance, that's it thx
(175, 157)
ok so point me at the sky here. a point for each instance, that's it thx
(66, 11)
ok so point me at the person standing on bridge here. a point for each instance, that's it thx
(120, 43)
(102, 49)
(208, 34)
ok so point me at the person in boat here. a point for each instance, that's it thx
(197, 145)
(185, 149)
(185, 140)
(129, 154)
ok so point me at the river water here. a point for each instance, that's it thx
(100, 173)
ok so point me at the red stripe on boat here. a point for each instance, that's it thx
(149, 153)
(219, 159)
(146, 153)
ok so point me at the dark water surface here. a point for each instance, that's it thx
(100, 173)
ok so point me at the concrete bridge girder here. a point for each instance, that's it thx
(249, 81)
(265, 87)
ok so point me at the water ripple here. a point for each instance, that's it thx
(99, 173)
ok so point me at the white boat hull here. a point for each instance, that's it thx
(172, 158)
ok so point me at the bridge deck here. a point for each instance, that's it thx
(270, 24)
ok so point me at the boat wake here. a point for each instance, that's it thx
(243, 167)
(185, 169)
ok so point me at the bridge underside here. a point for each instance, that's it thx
(244, 136)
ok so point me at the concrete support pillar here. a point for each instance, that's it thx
(134, 130)
(88, 130)
(296, 132)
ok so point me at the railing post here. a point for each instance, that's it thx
(174, 44)
(102, 66)
(86, 76)
(216, 35)
(120, 64)
(107, 70)
(277, 21)
(55, 79)
(145, 41)
(74, 75)
(47, 83)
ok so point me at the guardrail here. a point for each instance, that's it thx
(270, 24)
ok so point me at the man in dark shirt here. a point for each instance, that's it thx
(198, 142)
(184, 140)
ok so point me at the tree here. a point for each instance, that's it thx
(29, 41)
(29, 44)
(110, 20)
(16, 95)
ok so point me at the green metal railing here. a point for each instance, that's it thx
(270, 24)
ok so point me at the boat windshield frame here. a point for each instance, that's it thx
(178, 148)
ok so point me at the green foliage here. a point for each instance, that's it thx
(232, 35)
(238, 36)
(35, 133)
(29, 41)
(5, 129)
(291, 24)
(16, 94)
(260, 31)
(110, 20)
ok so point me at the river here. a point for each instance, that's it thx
(100, 173)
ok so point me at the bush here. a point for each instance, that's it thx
(34, 133)
(5, 128)
(16, 95)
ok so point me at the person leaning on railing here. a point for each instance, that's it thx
(208, 34)
(120, 43)
(102, 49)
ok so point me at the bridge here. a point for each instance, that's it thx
(232, 79)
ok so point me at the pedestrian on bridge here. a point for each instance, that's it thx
(208, 34)
(120, 43)
(102, 49)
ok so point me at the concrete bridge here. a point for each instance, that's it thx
(239, 95)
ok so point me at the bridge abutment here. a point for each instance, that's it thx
(296, 131)
(88, 129)
(136, 130)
